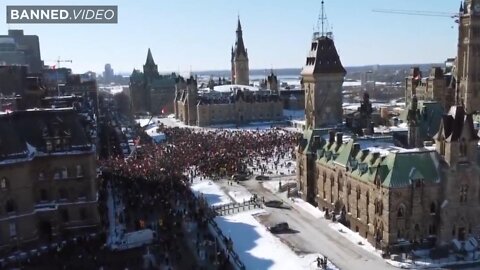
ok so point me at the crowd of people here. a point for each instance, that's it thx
(212, 153)
(153, 183)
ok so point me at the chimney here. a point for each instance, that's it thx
(339, 138)
(356, 149)
(316, 142)
(331, 134)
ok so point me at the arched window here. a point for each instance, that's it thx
(401, 211)
(433, 208)
(4, 183)
(10, 206)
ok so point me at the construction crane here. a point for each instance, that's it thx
(419, 13)
(59, 60)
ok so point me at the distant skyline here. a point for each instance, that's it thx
(197, 35)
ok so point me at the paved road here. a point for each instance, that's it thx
(315, 236)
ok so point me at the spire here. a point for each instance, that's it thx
(149, 58)
(239, 46)
(461, 7)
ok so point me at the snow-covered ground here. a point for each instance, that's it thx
(273, 185)
(258, 248)
(312, 210)
(212, 193)
(116, 229)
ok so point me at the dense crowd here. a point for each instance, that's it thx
(211, 152)
(153, 182)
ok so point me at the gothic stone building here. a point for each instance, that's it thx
(150, 91)
(47, 176)
(225, 104)
(393, 196)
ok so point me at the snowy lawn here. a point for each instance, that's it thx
(258, 248)
(211, 192)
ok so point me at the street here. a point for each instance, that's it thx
(314, 235)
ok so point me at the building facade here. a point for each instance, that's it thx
(394, 197)
(225, 104)
(16, 48)
(47, 177)
(239, 61)
(468, 56)
(322, 79)
(150, 91)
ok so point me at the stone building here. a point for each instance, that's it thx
(395, 197)
(436, 87)
(225, 104)
(47, 176)
(151, 91)
(239, 61)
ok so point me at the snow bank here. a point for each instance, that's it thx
(211, 192)
(258, 248)
(312, 210)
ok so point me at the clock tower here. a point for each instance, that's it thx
(322, 79)
(468, 57)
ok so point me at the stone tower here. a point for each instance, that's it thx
(272, 82)
(240, 70)
(192, 97)
(413, 124)
(468, 57)
(150, 69)
(322, 77)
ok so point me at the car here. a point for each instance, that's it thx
(239, 177)
(262, 177)
(279, 227)
(274, 203)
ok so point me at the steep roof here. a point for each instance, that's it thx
(323, 58)
(149, 61)
(239, 44)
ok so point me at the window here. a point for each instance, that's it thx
(82, 195)
(463, 193)
(63, 194)
(349, 188)
(65, 215)
(56, 175)
(41, 176)
(10, 206)
(64, 173)
(13, 229)
(48, 144)
(432, 229)
(83, 213)
(4, 183)
(463, 148)
(43, 195)
(401, 212)
(79, 171)
(433, 208)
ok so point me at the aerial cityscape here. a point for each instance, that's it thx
(322, 162)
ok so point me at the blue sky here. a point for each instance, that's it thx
(198, 34)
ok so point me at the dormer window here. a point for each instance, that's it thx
(58, 144)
